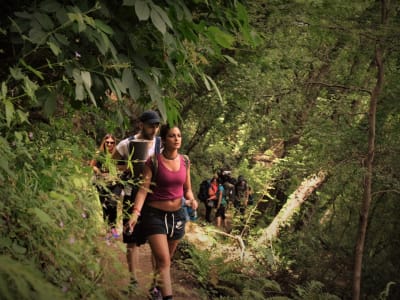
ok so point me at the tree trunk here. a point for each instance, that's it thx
(367, 197)
(295, 200)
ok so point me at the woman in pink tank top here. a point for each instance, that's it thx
(161, 214)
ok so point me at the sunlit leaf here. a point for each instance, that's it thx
(221, 37)
(41, 215)
(79, 92)
(215, 88)
(87, 79)
(16, 73)
(23, 116)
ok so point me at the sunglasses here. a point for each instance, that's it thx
(110, 143)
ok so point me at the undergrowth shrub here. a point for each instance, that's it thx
(50, 216)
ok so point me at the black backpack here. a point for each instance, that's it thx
(202, 195)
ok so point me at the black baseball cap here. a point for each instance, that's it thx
(150, 117)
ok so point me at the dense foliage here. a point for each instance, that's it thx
(276, 107)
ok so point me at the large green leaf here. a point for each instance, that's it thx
(223, 38)
(157, 20)
(44, 20)
(163, 14)
(50, 104)
(131, 84)
(103, 27)
(142, 10)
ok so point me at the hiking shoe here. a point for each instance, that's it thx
(114, 233)
(133, 285)
(155, 294)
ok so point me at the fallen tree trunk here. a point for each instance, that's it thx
(295, 200)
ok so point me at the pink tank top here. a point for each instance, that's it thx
(168, 184)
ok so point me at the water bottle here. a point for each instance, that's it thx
(193, 215)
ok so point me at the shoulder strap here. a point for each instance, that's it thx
(154, 166)
(130, 146)
(157, 149)
(186, 159)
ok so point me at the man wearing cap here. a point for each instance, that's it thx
(149, 125)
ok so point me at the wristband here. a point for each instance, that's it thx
(136, 211)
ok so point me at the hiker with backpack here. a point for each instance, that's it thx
(107, 182)
(241, 195)
(125, 150)
(162, 215)
(211, 201)
(221, 206)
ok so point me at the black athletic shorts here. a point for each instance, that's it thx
(156, 221)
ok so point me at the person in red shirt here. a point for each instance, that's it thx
(212, 198)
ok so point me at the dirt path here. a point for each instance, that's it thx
(184, 287)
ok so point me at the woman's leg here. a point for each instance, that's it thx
(208, 213)
(161, 251)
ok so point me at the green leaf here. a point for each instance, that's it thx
(23, 116)
(30, 88)
(3, 90)
(158, 21)
(44, 20)
(87, 83)
(87, 79)
(16, 73)
(18, 249)
(61, 38)
(230, 59)
(103, 27)
(78, 18)
(37, 36)
(50, 104)
(128, 2)
(54, 48)
(144, 77)
(79, 92)
(222, 38)
(162, 14)
(142, 10)
(206, 83)
(34, 71)
(50, 6)
(155, 93)
(9, 111)
(215, 88)
(131, 84)
(41, 215)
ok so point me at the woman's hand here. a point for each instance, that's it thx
(131, 223)
(193, 204)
